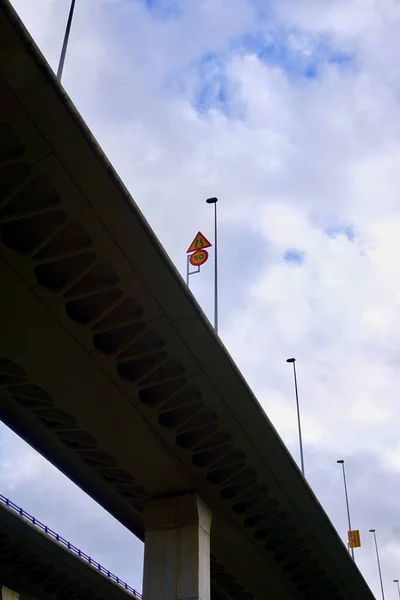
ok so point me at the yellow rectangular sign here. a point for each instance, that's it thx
(354, 538)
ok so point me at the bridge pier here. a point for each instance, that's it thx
(177, 549)
(7, 594)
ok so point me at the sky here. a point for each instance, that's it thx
(289, 112)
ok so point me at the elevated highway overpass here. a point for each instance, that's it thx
(38, 564)
(109, 368)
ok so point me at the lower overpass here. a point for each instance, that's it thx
(109, 368)
(39, 564)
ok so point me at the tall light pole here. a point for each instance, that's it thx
(293, 361)
(65, 42)
(398, 585)
(378, 561)
(214, 201)
(341, 462)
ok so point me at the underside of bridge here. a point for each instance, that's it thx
(34, 566)
(110, 369)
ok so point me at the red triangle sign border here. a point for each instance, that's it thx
(193, 247)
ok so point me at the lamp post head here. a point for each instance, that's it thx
(341, 462)
(395, 581)
(290, 360)
(212, 200)
(372, 530)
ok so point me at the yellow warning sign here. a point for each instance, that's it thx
(199, 242)
(354, 539)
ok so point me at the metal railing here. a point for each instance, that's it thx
(52, 534)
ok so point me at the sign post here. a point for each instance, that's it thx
(197, 254)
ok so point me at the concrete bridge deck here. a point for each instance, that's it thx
(37, 562)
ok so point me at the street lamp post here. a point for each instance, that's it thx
(398, 585)
(65, 42)
(378, 561)
(341, 462)
(293, 361)
(214, 201)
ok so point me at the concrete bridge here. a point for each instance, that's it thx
(36, 563)
(110, 369)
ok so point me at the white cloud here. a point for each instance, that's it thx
(300, 163)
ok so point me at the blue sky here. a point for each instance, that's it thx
(289, 112)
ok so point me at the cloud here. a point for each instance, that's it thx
(289, 113)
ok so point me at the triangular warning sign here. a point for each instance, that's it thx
(198, 243)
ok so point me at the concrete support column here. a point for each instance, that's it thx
(177, 549)
(7, 594)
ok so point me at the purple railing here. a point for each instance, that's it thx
(69, 546)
